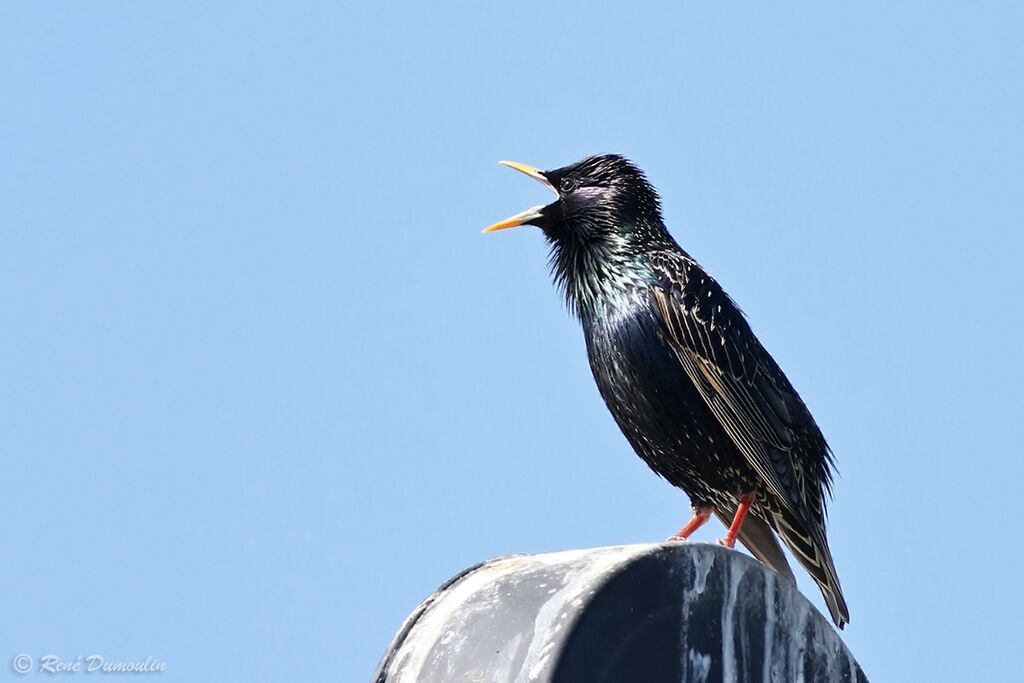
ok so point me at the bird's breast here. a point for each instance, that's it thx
(650, 396)
(632, 364)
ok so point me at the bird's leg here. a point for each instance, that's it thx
(700, 515)
(741, 513)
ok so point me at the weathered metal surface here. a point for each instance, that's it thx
(666, 612)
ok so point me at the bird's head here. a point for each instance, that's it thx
(605, 219)
(600, 198)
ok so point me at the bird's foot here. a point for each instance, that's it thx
(700, 516)
(727, 543)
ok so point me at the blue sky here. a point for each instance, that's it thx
(265, 385)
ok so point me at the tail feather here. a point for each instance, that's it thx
(812, 552)
(757, 536)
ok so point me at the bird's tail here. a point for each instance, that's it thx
(812, 552)
(757, 536)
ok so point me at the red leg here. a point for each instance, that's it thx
(700, 515)
(741, 513)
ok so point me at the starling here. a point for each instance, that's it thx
(690, 386)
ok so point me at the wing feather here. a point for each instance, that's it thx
(740, 384)
(758, 408)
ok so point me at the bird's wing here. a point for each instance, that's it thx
(744, 388)
(758, 408)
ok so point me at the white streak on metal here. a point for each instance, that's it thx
(700, 666)
(797, 641)
(702, 564)
(732, 580)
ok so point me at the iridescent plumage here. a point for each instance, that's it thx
(689, 384)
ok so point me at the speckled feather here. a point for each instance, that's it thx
(689, 384)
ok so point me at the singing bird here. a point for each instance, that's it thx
(690, 386)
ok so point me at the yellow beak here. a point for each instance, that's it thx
(531, 213)
(517, 220)
(534, 173)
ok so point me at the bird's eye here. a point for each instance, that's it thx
(568, 184)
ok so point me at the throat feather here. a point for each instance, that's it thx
(598, 275)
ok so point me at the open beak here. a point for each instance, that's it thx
(530, 214)
(521, 218)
